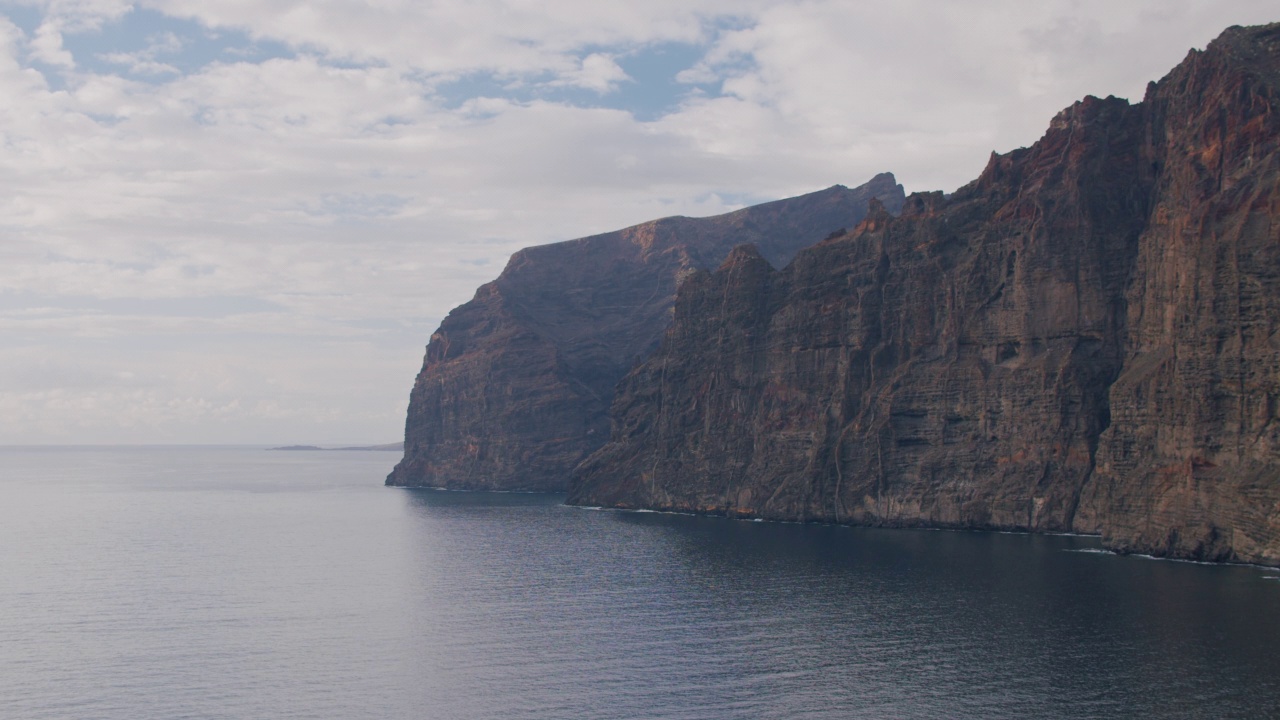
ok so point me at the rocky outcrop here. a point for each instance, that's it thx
(1083, 339)
(516, 385)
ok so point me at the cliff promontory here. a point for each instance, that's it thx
(516, 385)
(1086, 338)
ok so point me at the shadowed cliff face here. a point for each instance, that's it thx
(1083, 339)
(516, 385)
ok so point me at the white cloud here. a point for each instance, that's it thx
(258, 249)
(46, 46)
(145, 61)
(79, 15)
(928, 89)
(460, 36)
(597, 71)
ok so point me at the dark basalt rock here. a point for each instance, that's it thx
(516, 385)
(1083, 339)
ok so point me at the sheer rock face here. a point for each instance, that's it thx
(516, 385)
(1190, 466)
(1083, 339)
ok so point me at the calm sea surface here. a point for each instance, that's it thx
(242, 583)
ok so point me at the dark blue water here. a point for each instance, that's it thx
(233, 583)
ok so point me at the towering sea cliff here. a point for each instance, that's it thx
(1082, 339)
(516, 385)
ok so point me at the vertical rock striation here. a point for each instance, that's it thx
(516, 385)
(1082, 339)
(1190, 466)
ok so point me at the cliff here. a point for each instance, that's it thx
(1083, 339)
(516, 385)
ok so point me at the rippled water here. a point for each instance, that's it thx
(236, 583)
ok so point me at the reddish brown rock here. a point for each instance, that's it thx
(516, 385)
(1083, 339)
(1190, 466)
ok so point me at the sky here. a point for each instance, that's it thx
(239, 221)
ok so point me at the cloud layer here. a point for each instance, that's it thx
(239, 221)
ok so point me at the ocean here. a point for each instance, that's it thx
(203, 582)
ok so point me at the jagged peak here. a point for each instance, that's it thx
(1084, 111)
(923, 203)
(878, 216)
(743, 254)
(1238, 36)
(1253, 50)
(884, 179)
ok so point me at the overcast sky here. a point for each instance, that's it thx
(238, 221)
